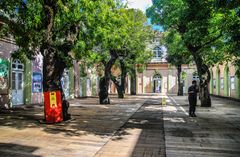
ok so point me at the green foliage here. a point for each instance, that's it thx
(230, 24)
(202, 25)
(177, 54)
(67, 27)
(183, 75)
(83, 71)
(189, 18)
(79, 29)
(125, 31)
(139, 35)
(195, 73)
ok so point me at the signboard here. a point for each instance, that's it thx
(37, 82)
(3, 74)
(53, 99)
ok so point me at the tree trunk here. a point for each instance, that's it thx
(103, 93)
(119, 87)
(204, 89)
(120, 92)
(205, 96)
(104, 81)
(180, 85)
(123, 81)
(133, 81)
(204, 76)
(53, 67)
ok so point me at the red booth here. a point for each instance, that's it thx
(53, 107)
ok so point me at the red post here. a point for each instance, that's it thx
(53, 107)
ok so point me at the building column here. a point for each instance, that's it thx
(84, 86)
(226, 81)
(94, 85)
(237, 86)
(211, 82)
(142, 83)
(71, 83)
(218, 81)
(76, 79)
(27, 82)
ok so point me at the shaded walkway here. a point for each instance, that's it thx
(214, 133)
(141, 136)
(138, 126)
(90, 128)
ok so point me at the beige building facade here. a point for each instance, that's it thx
(224, 81)
(159, 76)
(162, 78)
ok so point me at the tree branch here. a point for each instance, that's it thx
(113, 54)
(50, 14)
(116, 83)
(209, 42)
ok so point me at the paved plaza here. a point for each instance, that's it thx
(137, 126)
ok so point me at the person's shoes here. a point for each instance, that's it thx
(193, 115)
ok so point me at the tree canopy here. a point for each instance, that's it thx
(177, 53)
(209, 28)
(194, 22)
(95, 30)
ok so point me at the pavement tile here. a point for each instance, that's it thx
(92, 125)
(137, 126)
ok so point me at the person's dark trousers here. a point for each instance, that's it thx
(192, 105)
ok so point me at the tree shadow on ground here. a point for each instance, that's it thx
(147, 126)
(12, 149)
(88, 117)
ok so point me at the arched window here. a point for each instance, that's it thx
(157, 77)
(157, 52)
(157, 83)
(17, 65)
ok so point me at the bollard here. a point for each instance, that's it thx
(164, 102)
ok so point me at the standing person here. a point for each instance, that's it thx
(192, 98)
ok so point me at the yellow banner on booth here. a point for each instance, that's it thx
(53, 99)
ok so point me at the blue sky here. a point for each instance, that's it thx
(139, 4)
(142, 5)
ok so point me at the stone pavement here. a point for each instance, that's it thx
(214, 133)
(141, 136)
(138, 126)
(92, 125)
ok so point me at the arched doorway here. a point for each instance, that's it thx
(65, 83)
(227, 90)
(157, 83)
(17, 82)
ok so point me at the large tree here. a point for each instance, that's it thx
(120, 42)
(59, 30)
(194, 22)
(111, 34)
(177, 54)
(134, 51)
(228, 13)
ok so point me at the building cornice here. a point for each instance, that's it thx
(8, 40)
